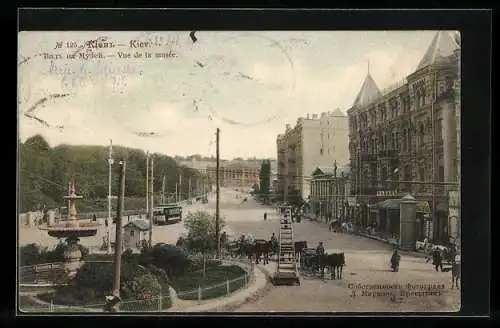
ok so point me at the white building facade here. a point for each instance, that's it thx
(315, 140)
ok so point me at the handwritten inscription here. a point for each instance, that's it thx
(68, 59)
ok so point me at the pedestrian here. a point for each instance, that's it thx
(437, 259)
(395, 260)
(320, 251)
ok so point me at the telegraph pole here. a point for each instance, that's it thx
(110, 164)
(176, 192)
(118, 237)
(163, 190)
(217, 199)
(189, 188)
(180, 186)
(151, 211)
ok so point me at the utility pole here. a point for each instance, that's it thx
(118, 237)
(147, 183)
(180, 186)
(151, 206)
(163, 190)
(217, 199)
(176, 192)
(110, 164)
(189, 188)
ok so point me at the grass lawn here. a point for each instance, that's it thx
(187, 285)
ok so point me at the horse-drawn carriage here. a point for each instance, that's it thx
(307, 258)
(248, 247)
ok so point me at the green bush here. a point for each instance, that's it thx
(94, 281)
(187, 286)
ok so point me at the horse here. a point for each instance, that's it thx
(455, 274)
(261, 248)
(335, 263)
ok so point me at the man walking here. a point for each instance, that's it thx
(437, 260)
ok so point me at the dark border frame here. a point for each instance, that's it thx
(475, 27)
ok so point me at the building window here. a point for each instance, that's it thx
(321, 151)
(131, 233)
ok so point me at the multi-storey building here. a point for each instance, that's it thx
(315, 140)
(330, 187)
(200, 166)
(235, 174)
(408, 134)
(454, 195)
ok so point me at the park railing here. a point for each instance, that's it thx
(38, 273)
(156, 303)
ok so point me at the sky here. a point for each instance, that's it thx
(247, 84)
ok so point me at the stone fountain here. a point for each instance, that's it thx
(72, 229)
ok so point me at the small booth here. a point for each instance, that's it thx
(135, 233)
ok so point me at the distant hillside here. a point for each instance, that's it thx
(45, 173)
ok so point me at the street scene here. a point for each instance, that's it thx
(281, 172)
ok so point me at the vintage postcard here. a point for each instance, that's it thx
(263, 171)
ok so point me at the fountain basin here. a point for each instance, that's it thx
(62, 231)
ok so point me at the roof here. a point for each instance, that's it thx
(142, 225)
(369, 91)
(442, 46)
(389, 204)
(330, 170)
(337, 113)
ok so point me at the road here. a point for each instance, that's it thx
(367, 265)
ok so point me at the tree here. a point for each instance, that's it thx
(45, 174)
(295, 198)
(172, 259)
(265, 179)
(201, 227)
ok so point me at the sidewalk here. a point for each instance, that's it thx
(258, 285)
(392, 243)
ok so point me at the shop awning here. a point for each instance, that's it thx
(389, 204)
